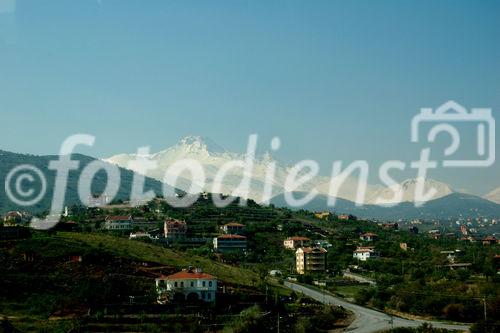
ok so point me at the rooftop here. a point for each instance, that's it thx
(231, 236)
(118, 217)
(234, 224)
(298, 238)
(188, 275)
(313, 249)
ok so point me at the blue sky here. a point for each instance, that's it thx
(335, 80)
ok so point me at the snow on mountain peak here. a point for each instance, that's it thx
(198, 143)
(212, 158)
(408, 188)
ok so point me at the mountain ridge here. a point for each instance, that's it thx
(212, 158)
(454, 205)
(10, 160)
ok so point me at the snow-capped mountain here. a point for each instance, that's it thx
(212, 158)
(494, 195)
(407, 189)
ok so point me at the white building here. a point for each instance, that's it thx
(188, 285)
(365, 253)
(118, 222)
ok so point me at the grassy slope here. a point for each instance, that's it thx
(148, 252)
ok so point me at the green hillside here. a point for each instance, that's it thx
(9, 160)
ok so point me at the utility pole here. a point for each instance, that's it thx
(278, 322)
(484, 308)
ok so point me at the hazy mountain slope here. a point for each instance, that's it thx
(408, 191)
(494, 195)
(454, 205)
(10, 160)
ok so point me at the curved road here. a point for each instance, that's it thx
(368, 320)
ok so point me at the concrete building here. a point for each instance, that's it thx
(310, 260)
(233, 228)
(230, 243)
(118, 222)
(188, 285)
(174, 229)
(295, 242)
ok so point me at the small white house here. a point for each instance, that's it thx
(365, 253)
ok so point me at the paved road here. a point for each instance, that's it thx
(358, 278)
(368, 320)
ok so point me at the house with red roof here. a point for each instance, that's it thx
(368, 237)
(187, 285)
(489, 240)
(295, 242)
(364, 253)
(118, 222)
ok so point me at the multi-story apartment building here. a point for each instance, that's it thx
(310, 260)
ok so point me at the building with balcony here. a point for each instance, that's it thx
(310, 260)
(230, 243)
(118, 222)
(233, 228)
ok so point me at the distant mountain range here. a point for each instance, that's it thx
(445, 203)
(494, 195)
(212, 157)
(10, 160)
(454, 205)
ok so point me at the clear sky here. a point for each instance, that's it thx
(335, 80)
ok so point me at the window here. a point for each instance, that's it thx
(209, 283)
(182, 284)
(192, 284)
(175, 284)
(203, 283)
